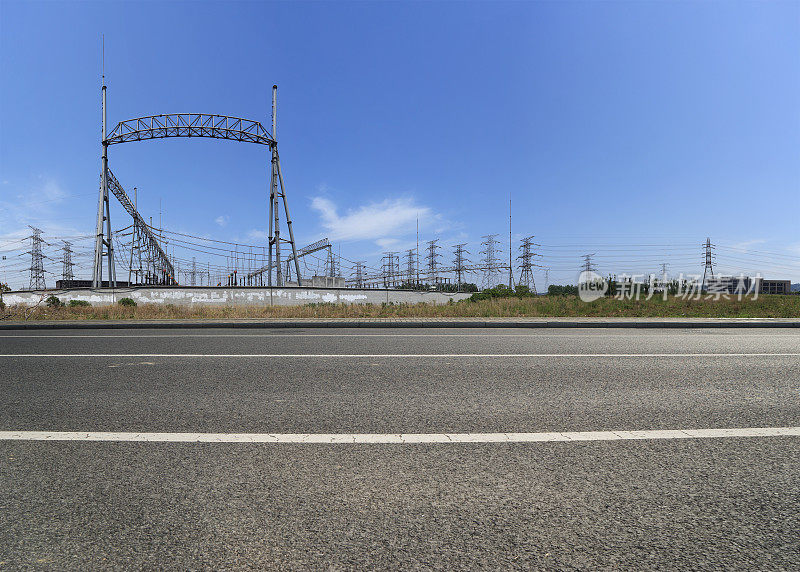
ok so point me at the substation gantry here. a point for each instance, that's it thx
(188, 125)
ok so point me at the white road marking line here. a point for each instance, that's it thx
(398, 438)
(526, 335)
(396, 355)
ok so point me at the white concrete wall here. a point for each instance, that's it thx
(233, 296)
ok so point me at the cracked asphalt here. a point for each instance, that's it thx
(659, 504)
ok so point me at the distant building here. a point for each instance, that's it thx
(327, 282)
(747, 285)
(776, 287)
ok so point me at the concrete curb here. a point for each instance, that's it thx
(637, 323)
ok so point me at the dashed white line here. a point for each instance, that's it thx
(399, 438)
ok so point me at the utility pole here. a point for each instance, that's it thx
(459, 263)
(66, 262)
(37, 260)
(708, 261)
(510, 247)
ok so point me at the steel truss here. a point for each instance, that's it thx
(188, 125)
(156, 267)
(308, 249)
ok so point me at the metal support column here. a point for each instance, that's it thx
(103, 215)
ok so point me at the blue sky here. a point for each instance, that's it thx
(613, 126)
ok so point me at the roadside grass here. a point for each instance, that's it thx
(766, 306)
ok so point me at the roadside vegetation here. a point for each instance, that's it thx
(488, 304)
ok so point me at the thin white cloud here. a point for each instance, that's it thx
(387, 243)
(222, 220)
(257, 234)
(747, 244)
(385, 220)
(39, 205)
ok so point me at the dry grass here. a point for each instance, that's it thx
(542, 306)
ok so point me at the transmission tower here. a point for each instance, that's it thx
(664, 274)
(66, 262)
(708, 261)
(412, 262)
(331, 262)
(527, 264)
(489, 262)
(359, 274)
(588, 265)
(459, 263)
(432, 262)
(389, 268)
(193, 273)
(37, 260)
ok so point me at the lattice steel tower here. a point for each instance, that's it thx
(708, 261)
(412, 261)
(66, 262)
(489, 262)
(389, 268)
(37, 260)
(588, 265)
(432, 262)
(331, 266)
(359, 274)
(460, 263)
(526, 265)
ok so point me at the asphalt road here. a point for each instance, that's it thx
(728, 503)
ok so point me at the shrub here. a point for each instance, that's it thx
(2, 305)
(501, 291)
(53, 302)
(78, 303)
(568, 290)
(129, 302)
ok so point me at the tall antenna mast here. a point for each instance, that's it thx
(103, 236)
(510, 275)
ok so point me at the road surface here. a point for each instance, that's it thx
(595, 497)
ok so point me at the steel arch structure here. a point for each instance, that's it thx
(190, 125)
